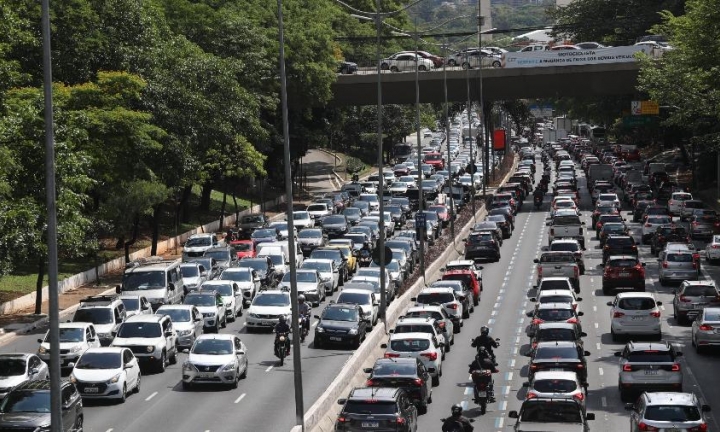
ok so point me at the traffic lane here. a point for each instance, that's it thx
(505, 287)
(318, 165)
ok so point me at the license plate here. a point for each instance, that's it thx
(91, 390)
(206, 375)
(268, 323)
(698, 305)
(370, 424)
(637, 318)
(336, 339)
(651, 372)
(624, 274)
(482, 394)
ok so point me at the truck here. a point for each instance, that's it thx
(563, 123)
(560, 264)
(599, 172)
(549, 135)
(566, 223)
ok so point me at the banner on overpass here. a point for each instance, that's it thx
(572, 57)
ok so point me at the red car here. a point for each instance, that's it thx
(243, 248)
(435, 159)
(470, 279)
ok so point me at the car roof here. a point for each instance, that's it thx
(552, 375)
(649, 346)
(75, 325)
(415, 320)
(174, 306)
(422, 307)
(319, 260)
(430, 290)
(355, 291)
(557, 325)
(617, 257)
(107, 349)
(559, 344)
(555, 306)
(216, 336)
(374, 393)
(554, 278)
(670, 398)
(23, 356)
(553, 292)
(144, 318)
(635, 294)
(410, 335)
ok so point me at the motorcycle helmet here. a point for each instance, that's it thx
(282, 319)
(456, 410)
(484, 330)
(301, 298)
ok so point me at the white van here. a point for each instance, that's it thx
(159, 280)
(282, 246)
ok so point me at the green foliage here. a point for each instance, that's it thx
(529, 15)
(354, 165)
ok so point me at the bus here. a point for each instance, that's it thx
(401, 152)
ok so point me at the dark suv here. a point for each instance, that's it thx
(623, 271)
(27, 407)
(340, 323)
(665, 234)
(551, 414)
(482, 245)
(619, 245)
(409, 374)
(377, 408)
(249, 223)
(559, 355)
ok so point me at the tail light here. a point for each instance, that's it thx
(391, 355)
(675, 367)
(431, 355)
(369, 383)
(696, 256)
(598, 225)
(648, 225)
(618, 315)
(343, 419)
(533, 367)
(694, 265)
(715, 246)
(705, 327)
(695, 224)
(552, 231)
(540, 272)
(685, 299)
(530, 396)
(441, 324)
(579, 397)
(627, 368)
(400, 420)
(576, 272)
(452, 306)
(607, 247)
(537, 321)
(634, 247)
(655, 314)
(418, 382)
(580, 366)
(572, 321)
(700, 428)
(665, 264)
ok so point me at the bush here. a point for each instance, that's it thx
(354, 165)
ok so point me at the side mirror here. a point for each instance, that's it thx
(582, 223)
(529, 314)
(533, 299)
(114, 333)
(240, 352)
(71, 365)
(536, 261)
(186, 350)
(391, 331)
(578, 299)
(629, 407)
(341, 401)
(40, 340)
(127, 366)
(526, 384)
(118, 289)
(92, 339)
(168, 333)
(171, 286)
(513, 414)
(413, 298)
(580, 313)
(590, 416)
(383, 346)
(367, 370)
(197, 320)
(679, 354)
(317, 316)
(583, 334)
(601, 265)
(643, 264)
(618, 354)
(586, 353)
(659, 303)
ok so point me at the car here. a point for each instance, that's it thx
(409, 374)
(423, 325)
(557, 296)
(462, 292)
(107, 373)
(75, 339)
(482, 245)
(469, 277)
(266, 309)
(246, 279)
(265, 235)
(249, 223)
(212, 306)
(557, 331)
(197, 244)
(692, 297)
(619, 245)
(665, 411)
(373, 408)
(623, 271)
(215, 359)
(243, 248)
(612, 229)
(264, 271)
(231, 294)
(676, 200)
(570, 245)
(445, 297)
(17, 368)
(688, 207)
(704, 224)
(540, 414)
(552, 312)
(437, 313)
(340, 261)
(649, 227)
(302, 219)
(649, 366)
(635, 314)
(422, 346)
(604, 218)
(224, 256)
(705, 328)
(283, 229)
(491, 226)
(151, 338)
(558, 355)
(27, 407)
(340, 324)
(329, 273)
(677, 266)
(558, 384)
(712, 250)
(309, 283)
(187, 321)
(667, 233)
(193, 275)
(334, 226)
(403, 62)
(367, 301)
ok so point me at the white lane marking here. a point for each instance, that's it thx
(314, 324)
(269, 368)
(468, 391)
(151, 396)
(509, 376)
(499, 422)
(512, 363)
(600, 371)
(502, 406)
(109, 430)
(497, 305)
(598, 346)
(493, 313)
(604, 401)
(662, 307)
(241, 397)
(491, 321)
(517, 340)
(596, 325)
(594, 308)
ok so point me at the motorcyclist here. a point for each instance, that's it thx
(282, 327)
(457, 420)
(539, 194)
(485, 341)
(304, 310)
(484, 362)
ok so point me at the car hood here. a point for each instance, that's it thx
(11, 381)
(208, 359)
(27, 419)
(95, 375)
(551, 427)
(153, 295)
(270, 310)
(206, 309)
(310, 241)
(338, 324)
(104, 328)
(301, 286)
(183, 325)
(194, 280)
(195, 249)
(244, 286)
(63, 346)
(118, 341)
(334, 226)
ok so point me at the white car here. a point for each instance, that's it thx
(712, 250)
(302, 219)
(197, 244)
(110, 372)
(557, 296)
(410, 181)
(246, 279)
(402, 62)
(329, 273)
(365, 299)
(193, 275)
(608, 198)
(218, 358)
(318, 210)
(309, 284)
(422, 346)
(151, 338)
(676, 200)
(267, 308)
(187, 321)
(136, 305)
(422, 325)
(556, 384)
(212, 306)
(437, 313)
(18, 368)
(445, 297)
(398, 187)
(635, 313)
(231, 293)
(651, 224)
(75, 339)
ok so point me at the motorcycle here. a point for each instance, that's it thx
(303, 324)
(483, 382)
(453, 425)
(538, 202)
(365, 258)
(281, 346)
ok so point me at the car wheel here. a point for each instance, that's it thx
(384, 66)
(137, 384)
(614, 336)
(317, 344)
(161, 362)
(496, 64)
(436, 380)
(245, 371)
(465, 66)
(447, 346)
(423, 408)
(394, 69)
(422, 68)
(123, 393)
(78, 426)
(234, 384)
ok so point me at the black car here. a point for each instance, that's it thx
(346, 67)
(27, 407)
(559, 355)
(377, 408)
(265, 270)
(406, 245)
(335, 226)
(352, 214)
(639, 209)
(340, 324)
(409, 374)
(404, 204)
(397, 213)
(505, 211)
(482, 245)
(491, 226)
(503, 223)
(667, 233)
(619, 245)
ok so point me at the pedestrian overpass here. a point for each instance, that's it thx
(497, 84)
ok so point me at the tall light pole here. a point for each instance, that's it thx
(297, 363)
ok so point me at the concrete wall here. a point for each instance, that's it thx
(118, 264)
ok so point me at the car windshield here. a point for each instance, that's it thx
(190, 271)
(69, 335)
(566, 220)
(198, 242)
(357, 239)
(658, 220)
(551, 412)
(425, 314)
(237, 276)
(240, 247)
(650, 356)
(393, 369)
(94, 315)
(301, 216)
(414, 328)
(139, 330)
(672, 413)
(325, 254)
(252, 219)
(277, 260)
(260, 265)
(555, 352)
(131, 303)
(554, 314)
(373, 407)
(410, 345)
(213, 347)
(610, 218)
(354, 298)
(351, 211)
(310, 233)
(224, 289)
(176, 315)
(625, 263)
(272, 299)
(219, 255)
(564, 247)
(557, 258)
(12, 366)
(555, 334)
(34, 401)
(262, 233)
(143, 280)
(200, 300)
(340, 314)
(301, 277)
(636, 303)
(334, 220)
(554, 385)
(100, 360)
(280, 226)
(478, 238)
(435, 297)
(322, 267)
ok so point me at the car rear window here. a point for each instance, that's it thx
(555, 335)
(636, 304)
(371, 406)
(679, 257)
(620, 241)
(564, 247)
(414, 328)
(650, 356)
(430, 298)
(554, 352)
(410, 345)
(554, 386)
(622, 263)
(557, 258)
(555, 299)
(554, 284)
(566, 220)
(554, 314)
(390, 369)
(698, 291)
(672, 413)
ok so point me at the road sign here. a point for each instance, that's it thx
(639, 120)
(644, 108)
(388, 256)
(420, 224)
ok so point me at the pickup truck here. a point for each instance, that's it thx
(566, 223)
(558, 264)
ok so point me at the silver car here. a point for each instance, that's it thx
(706, 329)
(556, 384)
(187, 321)
(692, 297)
(213, 359)
(16, 369)
(649, 366)
(676, 267)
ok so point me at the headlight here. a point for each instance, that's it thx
(150, 349)
(72, 378)
(352, 331)
(42, 350)
(114, 379)
(326, 279)
(229, 367)
(252, 315)
(184, 332)
(189, 366)
(76, 348)
(320, 329)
